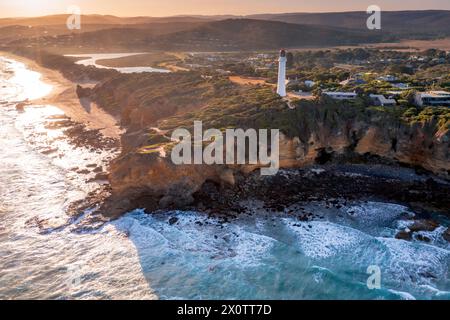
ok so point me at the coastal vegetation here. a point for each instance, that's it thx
(261, 108)
(177, 99)
(364, 167)
(205, 91)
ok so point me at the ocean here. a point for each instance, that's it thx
(47, 254)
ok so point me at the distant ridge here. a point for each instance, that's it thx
(391, 20)
(223, 35)
(202, 33)
(400, 22)
(249, 34)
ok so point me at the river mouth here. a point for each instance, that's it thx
(308, 250)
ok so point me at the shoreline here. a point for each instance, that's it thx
(64, 97)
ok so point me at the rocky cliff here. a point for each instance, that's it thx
(143, 177)
(417, 145)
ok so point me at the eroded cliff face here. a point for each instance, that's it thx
(160, 181)
(417, 145)
(153, 181)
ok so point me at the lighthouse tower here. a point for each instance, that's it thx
(281, 89)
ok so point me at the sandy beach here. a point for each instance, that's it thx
(63, 96)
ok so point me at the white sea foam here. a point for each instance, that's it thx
(403, 295)
(325, 239)
(436, 292)
(231, 245)
(413, 264)
(252, 248)
(376, 212)
(435, 237)
(34, 193)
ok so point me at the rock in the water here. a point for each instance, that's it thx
(101, 176)
(423, 238)
(49, 151)
(403, 235)
(20, 106)
(424, 225)
(98, 169)
(173, 220)
(446, 235)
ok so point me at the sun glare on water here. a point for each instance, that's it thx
(35, 88)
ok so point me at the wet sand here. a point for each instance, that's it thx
(63, 96)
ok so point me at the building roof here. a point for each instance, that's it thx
(435, 94)
(388, 77)
(337, 93)
(382, 99)
(401, 85)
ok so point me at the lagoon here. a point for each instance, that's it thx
(91, 59)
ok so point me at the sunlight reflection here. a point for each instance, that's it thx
(30, 80)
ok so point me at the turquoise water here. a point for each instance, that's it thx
(274, 256)
(46, 254)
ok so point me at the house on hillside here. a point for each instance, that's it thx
(353, 81)
(401, 86)
(380, 100)
(388, 78)
(309, 83)
(341, 95)
(433, 98)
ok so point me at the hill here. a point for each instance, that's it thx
(226, 35)
(431, 22)
(409, 23)
(248, 34)
(220, 33)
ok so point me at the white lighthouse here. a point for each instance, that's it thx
(281, 89)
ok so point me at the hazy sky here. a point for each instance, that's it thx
(14, 8)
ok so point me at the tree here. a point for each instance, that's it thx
(409, 96)
(289, 60)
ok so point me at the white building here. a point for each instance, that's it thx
(401, 86)
(281, 88)
(353, 81)
(309, 83)
(433, 98)
(341, 95)
(388, 78)
(380, 100)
